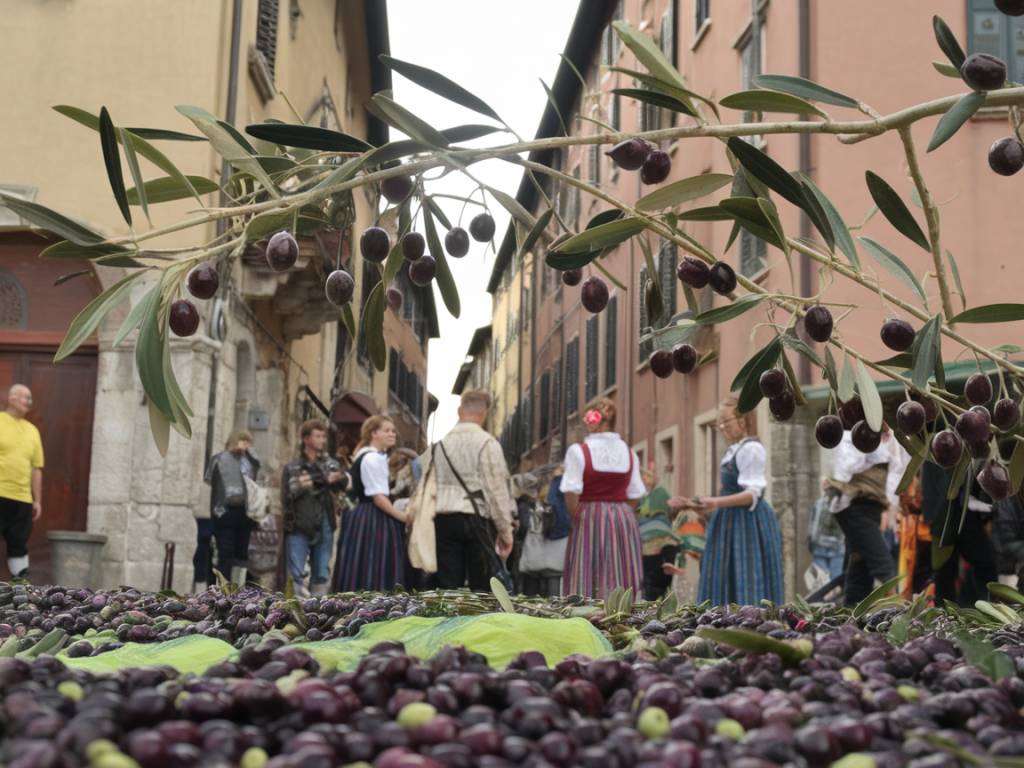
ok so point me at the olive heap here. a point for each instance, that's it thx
(845, 694)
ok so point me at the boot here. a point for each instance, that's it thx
(238, 573)
(18, 566)
(318, 589)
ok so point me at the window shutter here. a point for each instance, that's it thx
(668, 33)
(593, 329)
(645, 322)
(545, 404)
(667, 268)
(572, 376)
(595, 164)
(611, 337)
(556, 396)
(614, 111)
(393, 372)
(266, 32)
(753, 254)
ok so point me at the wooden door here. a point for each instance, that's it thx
(63, 397)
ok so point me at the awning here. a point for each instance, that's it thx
(353, 408)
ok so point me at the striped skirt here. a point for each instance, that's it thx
(603, 551)
(371, 551)
(742, 560)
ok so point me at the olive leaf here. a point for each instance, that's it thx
(161, 134)
(948, 43)
(649, 54)
(371, 323)
(864, 606)
(684, 95)
(747, 213)
(1016, 467)
(869, 397)
(683, 191)
(226, 144)
(439, 84)
(655, 98)
(501, 595)
(763, 100)
(767, 170)
(925, 351)
(895, 210)
(1006, 593)
(955, 117)
(89, 319)
(750, 394)
(945, 69)
(991, 313)
(847, 380)
(307, 137)
(149, 353)
(131, 158)
(401, 118)
(445, 281)
(598, 238)
(748, 641)
(53, 221)
(707, 213)
(983, 656)
(169, 188)
(536, 231)
(134, 318)
(894, 265)
(728, 311)
(805, 89)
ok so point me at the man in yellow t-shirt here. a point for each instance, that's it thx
(21, 477)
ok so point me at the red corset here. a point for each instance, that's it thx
(604, 486)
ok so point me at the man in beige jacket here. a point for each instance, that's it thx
(467, 522)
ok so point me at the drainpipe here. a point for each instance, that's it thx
(225, 173)
(804, 25)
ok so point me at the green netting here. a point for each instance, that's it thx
(186, 654)
(498, 636)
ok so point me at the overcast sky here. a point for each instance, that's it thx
(498, 51)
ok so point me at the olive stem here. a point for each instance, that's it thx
(931, 214)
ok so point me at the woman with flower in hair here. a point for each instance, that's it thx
(602, 486)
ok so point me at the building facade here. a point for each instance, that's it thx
(575, 355)
(270, 351)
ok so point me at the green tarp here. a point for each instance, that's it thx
(498, 636)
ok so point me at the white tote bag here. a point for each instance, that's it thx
(541, 554)
(256, 500)
(423, 506)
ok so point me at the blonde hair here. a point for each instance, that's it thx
(237, 437)
(370, 426)
(606, 407)
(475, 400)
(749, 420)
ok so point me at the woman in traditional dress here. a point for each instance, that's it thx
(742, 561)
(371, 548)
(602, 486)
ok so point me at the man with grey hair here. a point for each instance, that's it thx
(474, 506)
(21, 477)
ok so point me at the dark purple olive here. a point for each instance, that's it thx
(1006, 414)
(983, 72)
(481, 228)
(394, 297)
(629, 154)
(482, 739)
(413, 246)
(1006, 156)
(375, 244)
(594, 295)
(422, 271)
(456, 242)
(828, 431)
(851, 412)
(656, 167)
(572, 276)
(282, 251)
(339, 287)
(396, 188)
(947, 448)
(661, 363)
(931, 410)
(723, 278)
(782, 406)
(818, 323)
(980, 450)
(203, 281)
(183, 317)
(995, 480)
(897, 335)
(1011, 7)
(693, 272)
(773, 382)
(911, 417)
(864, 438)
(978, 389)
(973, 425)
(684, 358)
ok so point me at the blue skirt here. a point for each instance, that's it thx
(742, 560)
(371, 551)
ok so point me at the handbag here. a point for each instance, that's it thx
(540, 553)
(264, 546)
(499, 571)
(422, 509)
(256, 500)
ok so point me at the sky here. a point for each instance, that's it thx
(498, 51)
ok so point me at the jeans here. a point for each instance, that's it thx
(460, 553)
(829, 558)
(297, 549)
(870, 558)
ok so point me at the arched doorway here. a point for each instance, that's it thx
(34, 315)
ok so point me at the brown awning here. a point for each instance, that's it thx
(353, 408)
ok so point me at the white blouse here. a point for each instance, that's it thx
(608, 453)
(751, 460)
(374, 472)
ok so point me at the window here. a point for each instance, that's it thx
(266, 33)
(989, 31)
(545, 405)
(556, 396)
(668, 32)
(594, 155)
(526, 428)
(593, 349)
(667, 278)
(751, 64)
(753, 254)
(614, 111)
(572, 376)
(701, 13)
(645, 323)
(13, 303)
(393, 372)
(610, 41)
(611, 337)
(665, 448)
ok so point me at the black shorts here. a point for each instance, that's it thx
(15, 525)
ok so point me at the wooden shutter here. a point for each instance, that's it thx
(645, 321)
(611, 337)
(572, 376)
(667, 278)
(545, 404)
(266, 32)
(556, 396)
(593, 330)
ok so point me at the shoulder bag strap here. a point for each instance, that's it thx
(458, 477)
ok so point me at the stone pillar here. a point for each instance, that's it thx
(793, 485)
